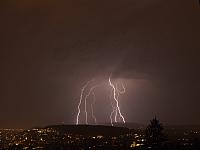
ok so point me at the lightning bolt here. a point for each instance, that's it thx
(92, 104)
(80, 100)
(86, 117)
(123, 88)
(118, 93)
(114, 110)
(111, 121)
(115, 92)
(115, 96)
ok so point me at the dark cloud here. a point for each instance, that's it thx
(49, 49)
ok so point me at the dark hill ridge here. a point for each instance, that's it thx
(130, 125)
(90, 130)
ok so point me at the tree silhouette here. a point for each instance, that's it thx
(154, 133)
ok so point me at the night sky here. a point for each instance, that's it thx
(50, 49)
